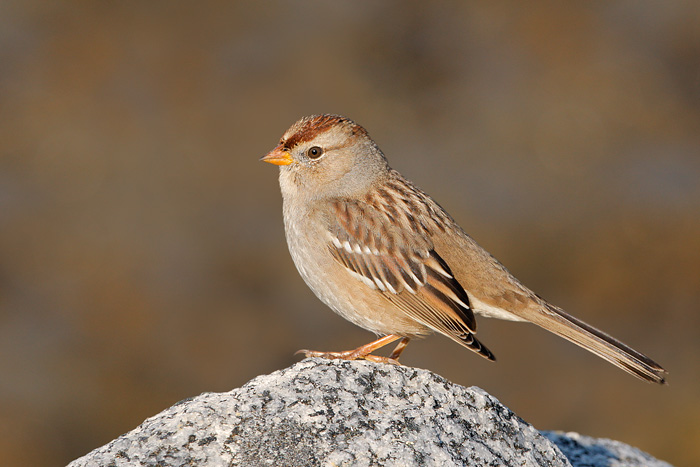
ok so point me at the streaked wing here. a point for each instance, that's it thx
(402, 265)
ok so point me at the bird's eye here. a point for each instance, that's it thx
(314, 152)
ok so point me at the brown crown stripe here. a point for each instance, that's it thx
(310, 127)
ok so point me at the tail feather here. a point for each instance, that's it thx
(596, 341)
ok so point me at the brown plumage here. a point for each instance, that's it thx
(385, 256)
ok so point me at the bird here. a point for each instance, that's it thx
(384, 255)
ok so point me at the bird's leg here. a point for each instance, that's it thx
(365, 351)
(399, 349)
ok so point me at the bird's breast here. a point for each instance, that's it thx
(308, 240)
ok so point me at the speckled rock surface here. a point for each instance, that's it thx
(333, 413)
(583, 451)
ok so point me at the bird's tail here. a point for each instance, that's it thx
(596, 341)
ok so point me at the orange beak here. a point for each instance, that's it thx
(278, 156)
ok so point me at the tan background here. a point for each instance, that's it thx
(142, 257)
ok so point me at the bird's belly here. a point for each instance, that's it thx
(349, 296)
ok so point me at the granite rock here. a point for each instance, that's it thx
(339, 413)
(584, 451)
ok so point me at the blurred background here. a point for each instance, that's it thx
(142, 253)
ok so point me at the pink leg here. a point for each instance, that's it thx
(365, 351)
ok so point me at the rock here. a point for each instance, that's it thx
(583, 451)
(332, 413)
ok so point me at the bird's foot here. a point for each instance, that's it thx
(364, 352)
(347, 355)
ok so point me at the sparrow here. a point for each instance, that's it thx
(385, 256)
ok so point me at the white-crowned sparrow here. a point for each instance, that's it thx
(385, 256)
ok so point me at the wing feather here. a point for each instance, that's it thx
(401, 263)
